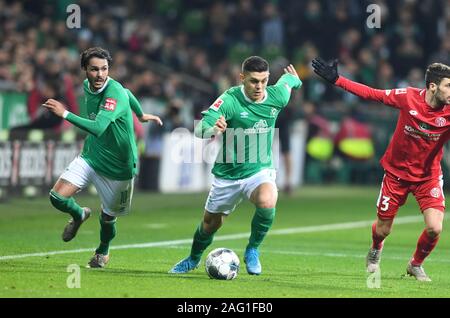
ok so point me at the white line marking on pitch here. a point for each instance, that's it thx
(295, 230)
(333, 254)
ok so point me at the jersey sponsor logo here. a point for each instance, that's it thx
(400, 91)
(260, 127)
(435, 192)
(413, 112)
(110, 104)
(440, 121)
(216, 105)
(415, 133)
(424, 126)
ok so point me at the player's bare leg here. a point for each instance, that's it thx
(61, 198)
(426, 243)
(380, 230)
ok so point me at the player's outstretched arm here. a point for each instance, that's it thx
(55, 107)
(149, 117)
(95, 127)
(291, 70)
(220, 126)
(204, 130)
(291, 81)
(137, 109)
(286, 83)
(134, 103)
(329, 72)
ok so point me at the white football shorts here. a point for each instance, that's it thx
(115, 195)
(225, 195)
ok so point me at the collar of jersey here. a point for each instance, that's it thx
(101, 89)
(249, 100)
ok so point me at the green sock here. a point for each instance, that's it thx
(261, 223)
(201, 241)
(66, 205)
(107, 233)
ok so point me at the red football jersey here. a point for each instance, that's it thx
(415, 151)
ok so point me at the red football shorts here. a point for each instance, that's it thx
(394, 191)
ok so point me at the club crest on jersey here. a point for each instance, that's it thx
(435, 192)
(440, 121)
(217, 104)
(273, 112)
(110, 104)
(413, 112)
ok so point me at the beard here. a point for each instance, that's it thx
(439, 98)
(93, 83)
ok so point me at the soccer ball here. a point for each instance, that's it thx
(222, 263)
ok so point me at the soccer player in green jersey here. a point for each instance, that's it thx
(109, 156)
(244, 118)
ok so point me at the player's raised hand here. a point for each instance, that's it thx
(55, 107)
(148, 117)
(290, 69)
(327, 71)
(220, 125)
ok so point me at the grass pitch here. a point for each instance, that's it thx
(316, 248)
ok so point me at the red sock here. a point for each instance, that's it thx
(424, 247)
(377, 241)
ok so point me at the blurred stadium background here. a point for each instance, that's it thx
(178, 56)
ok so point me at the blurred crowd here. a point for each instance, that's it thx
(177, 51)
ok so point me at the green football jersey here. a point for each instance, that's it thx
(113, 153)
(247, 142)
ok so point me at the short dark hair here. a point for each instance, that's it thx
(94, 52)
(435, 73)
(255, 64)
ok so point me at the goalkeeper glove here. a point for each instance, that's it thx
(328, 71)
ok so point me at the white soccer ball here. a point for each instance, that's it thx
(222, 263)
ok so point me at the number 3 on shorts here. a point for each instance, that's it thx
(385, 203)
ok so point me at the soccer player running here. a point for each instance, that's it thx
(412, 159)
(109, 156)
(244, 117)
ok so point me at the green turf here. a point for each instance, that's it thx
(316, 264)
